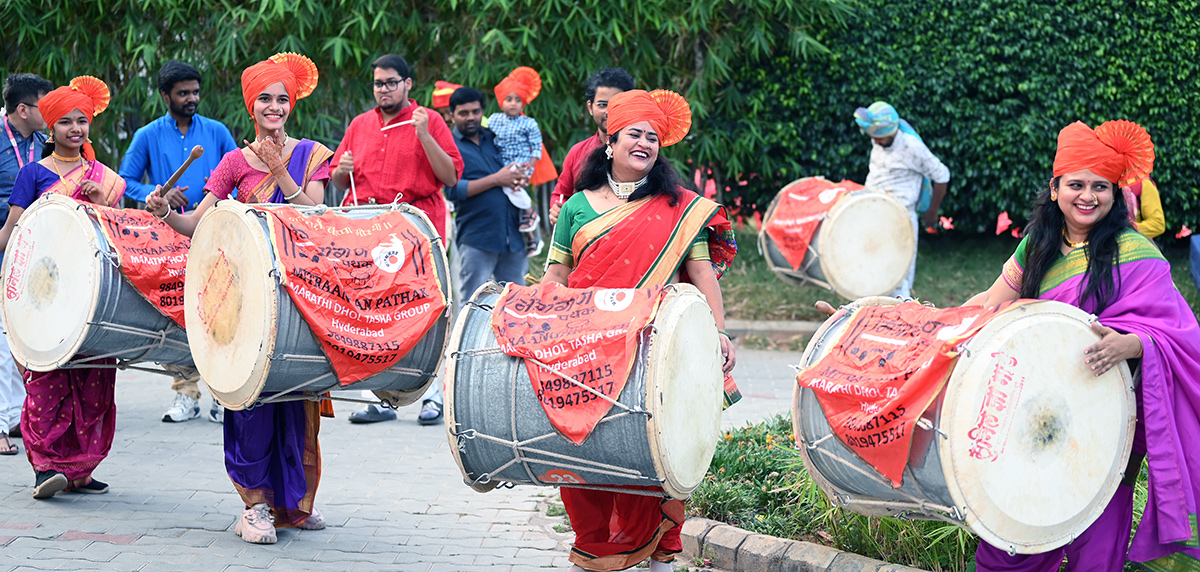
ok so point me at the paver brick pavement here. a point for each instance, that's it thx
(391, 493)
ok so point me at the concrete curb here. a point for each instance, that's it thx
(771, 329)
(731, 548)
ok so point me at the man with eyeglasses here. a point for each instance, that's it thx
(395, 153)
(24, 136)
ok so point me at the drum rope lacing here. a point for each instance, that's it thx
(521, 448)
(160, 341)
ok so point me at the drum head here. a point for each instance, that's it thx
(51, 282)
(684, 386)
(866, 244)
(1036, 463)
(230, 297)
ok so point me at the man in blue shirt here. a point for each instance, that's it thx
(23, 139)
(157, 150)
(488, 225)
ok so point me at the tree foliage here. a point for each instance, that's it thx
(988, 84)
(694, 47)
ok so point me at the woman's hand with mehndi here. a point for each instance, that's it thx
(270, 151)
(92, 190)
(1112, 349)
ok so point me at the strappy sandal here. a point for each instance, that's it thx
(7, 447)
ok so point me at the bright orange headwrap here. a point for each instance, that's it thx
(442, 90)
(297, 73)
(85, 93)
(523, 81)
(1120, 151)
(668, 113)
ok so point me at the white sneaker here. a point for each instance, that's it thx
(184, 409)
(217, 413)
(257, 525)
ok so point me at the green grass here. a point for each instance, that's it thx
(758, 482)
(950, 269)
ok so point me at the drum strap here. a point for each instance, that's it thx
(1134, 469)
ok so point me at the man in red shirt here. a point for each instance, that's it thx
(395, 151)
(600, 88)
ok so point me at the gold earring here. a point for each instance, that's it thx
(50, 139)
(88, 140)
(608, 152)
(1054, 196)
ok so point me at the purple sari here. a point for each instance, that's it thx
(271, 451)
(1149, 306)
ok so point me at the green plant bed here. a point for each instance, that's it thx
(758, 482)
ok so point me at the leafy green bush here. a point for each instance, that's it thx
(757, 482)
(988, 84)
(690, 46)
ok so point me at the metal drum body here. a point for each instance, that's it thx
(863, 247)
(65, 295)
(1068, 436)
(676, 379)
(249, 338)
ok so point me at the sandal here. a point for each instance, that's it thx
(7, 447)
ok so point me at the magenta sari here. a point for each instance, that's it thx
(1149, 306)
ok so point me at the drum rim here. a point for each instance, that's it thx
(258, 374)
(47, 201)
(825, 242)
(952, 453)
(454, 340)
(654, 432)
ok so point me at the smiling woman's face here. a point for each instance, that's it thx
(1085, 199)
(636, 150)
(272, 108)
(71, 130)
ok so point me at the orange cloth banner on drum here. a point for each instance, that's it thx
(801, 208)
(886, 369)
(152, 255)
(590, 335)
(368, 288)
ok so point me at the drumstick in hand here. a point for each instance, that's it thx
(197, 151)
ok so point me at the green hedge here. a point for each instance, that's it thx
(988, 84)
(692, 46)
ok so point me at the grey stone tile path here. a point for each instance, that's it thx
(391, 493)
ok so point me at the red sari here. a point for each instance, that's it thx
(69, 416)
(638, 244)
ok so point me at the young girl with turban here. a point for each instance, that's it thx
(1080, 249)
(68, 418)
(271, 451)
(634, 226)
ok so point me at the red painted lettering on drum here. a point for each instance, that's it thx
(562, 477)
(995, 416)
(214, 298)
(17, 270)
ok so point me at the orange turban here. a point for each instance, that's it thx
(668, 113)
(1120, 151)
(523, 81)
(442, 90)
(297, 73)
(85, 93)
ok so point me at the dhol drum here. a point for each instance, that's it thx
(66, 302)
(252, 344)
(663, 434)
(1066, 435)
(863, 247)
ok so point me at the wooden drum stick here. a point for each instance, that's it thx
(197, 151)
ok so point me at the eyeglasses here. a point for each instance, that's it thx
(29, 104)
(389, 85)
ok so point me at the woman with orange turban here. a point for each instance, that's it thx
(271, 451)
(1081, 250)
(69, 416)
(633, 210)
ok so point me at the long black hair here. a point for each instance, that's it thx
(662, 180)
(1044, 237)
